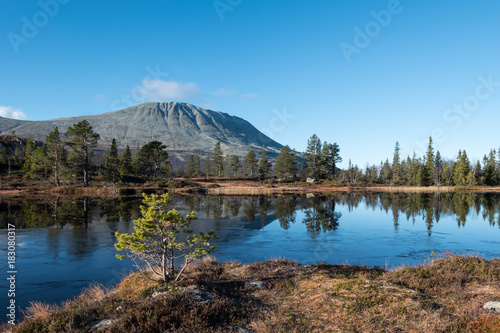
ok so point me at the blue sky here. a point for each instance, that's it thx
(364, 74)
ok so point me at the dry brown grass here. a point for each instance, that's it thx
(135, 285)
(39, 310)
(444, 296)
(95, 292)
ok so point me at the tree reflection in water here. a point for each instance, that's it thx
(320, 213)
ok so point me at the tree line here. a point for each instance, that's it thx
(431, 169)
(74, 159)
(71, 160)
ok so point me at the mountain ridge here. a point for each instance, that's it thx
(183, 127)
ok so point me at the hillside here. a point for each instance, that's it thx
(185, 129)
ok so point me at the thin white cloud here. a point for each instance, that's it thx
(10, 112)
(158, 89)
(208, 105)
(223, 93)
(101, 98)
(250, 96)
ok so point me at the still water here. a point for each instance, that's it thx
(65, 244)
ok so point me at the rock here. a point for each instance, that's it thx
(239, 329)
(99, 325)
(495, 306)
(258, 284)
(310, 180)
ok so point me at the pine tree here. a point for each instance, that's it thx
(489, 173)
(227, 162)
(83, 139)
(478, 174)
(190, 167)
(250, 162)
(35, 161)
(264, 164)
(136, 162)
(330, 156)
(153, 157)
(235, 165)
(286, 163)
(462, 169)
(56, 154)
(111, 163)
(428, 171)
(162, 238)
(197, 166)
(126, 168)
(385, 172)
(218, 160)
(313, 157)
(396, 168)
(438, 169)
(208, 166)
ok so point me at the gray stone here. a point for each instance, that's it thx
(99, 325)
(492, 306)
(239, 329)
(258, 284)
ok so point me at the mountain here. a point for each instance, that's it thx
(186, 129)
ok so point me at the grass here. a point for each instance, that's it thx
(445, 295)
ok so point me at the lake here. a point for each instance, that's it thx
(65, 244)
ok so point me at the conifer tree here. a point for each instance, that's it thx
(313, 156)
(489, 169)
(438, 169)
(162, 237)
(227, 162)
(330, 156)
(56, 154)
(286, 163)
(110, 170)
(428, 171)
(197, 166)
(462, 169)
(250, 162)
(83, 139)
(218, 160)
(190, 167)
(264, 164)
(235, 165)
(396, 167)
(208, 166)
(153, 158)
(126, 168)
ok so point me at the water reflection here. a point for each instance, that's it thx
(319, 212)
(64, 244)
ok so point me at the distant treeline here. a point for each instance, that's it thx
(74, 160)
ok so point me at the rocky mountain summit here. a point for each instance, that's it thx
(185, 129)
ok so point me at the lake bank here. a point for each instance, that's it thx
(214, 186)
(448, 294)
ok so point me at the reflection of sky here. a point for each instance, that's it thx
(365, 236)
(55, 264)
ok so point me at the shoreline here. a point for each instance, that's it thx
(220, 187)
(450, 293)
